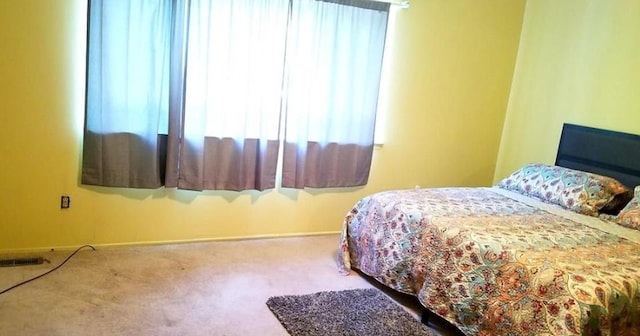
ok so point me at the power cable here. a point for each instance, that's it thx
(49, 271)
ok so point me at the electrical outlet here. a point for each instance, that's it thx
(65, 202)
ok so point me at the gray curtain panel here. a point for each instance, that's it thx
(334, 62)
(225, 164)
(137, 131)
(235, 61)
(177, 87)
(123, 160)
(127, 94)
(332, 165)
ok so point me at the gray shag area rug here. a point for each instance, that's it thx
(348, 312)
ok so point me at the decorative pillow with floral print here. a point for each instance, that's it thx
(629, 216)
(572, 189)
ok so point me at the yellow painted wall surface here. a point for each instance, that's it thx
(578, 62)
(450, 70)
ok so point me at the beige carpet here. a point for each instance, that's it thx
(217, 288)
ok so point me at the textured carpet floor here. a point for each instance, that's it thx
(348, 312)
(197, 289)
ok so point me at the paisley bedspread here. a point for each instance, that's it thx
(494, 265)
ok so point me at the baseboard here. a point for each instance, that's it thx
(163, 242)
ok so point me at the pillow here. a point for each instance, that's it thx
(617, 203)
(630, 215)
(572, 189)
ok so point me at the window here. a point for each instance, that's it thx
(193, 94)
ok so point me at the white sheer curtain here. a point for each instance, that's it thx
(334, 61)
(233, 93)
(127, 93)
(235, 68)
(184, 93)
(190, 93)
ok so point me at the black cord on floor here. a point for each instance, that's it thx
(49, 271)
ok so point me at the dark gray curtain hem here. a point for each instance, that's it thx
(326, 166)
(123, 160)
(229, 164)
(126, 160)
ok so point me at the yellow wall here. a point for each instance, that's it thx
(450, 72)
(578, 62)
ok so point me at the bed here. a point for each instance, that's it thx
(551, 250)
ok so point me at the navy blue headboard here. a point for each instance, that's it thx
(603, 152)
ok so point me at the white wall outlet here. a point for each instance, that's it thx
(65, 202)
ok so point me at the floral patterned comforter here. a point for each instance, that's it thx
(492, 265)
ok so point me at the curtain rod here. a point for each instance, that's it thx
(367, 3)
(401, 3)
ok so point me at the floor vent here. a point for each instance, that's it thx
(21, 261)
